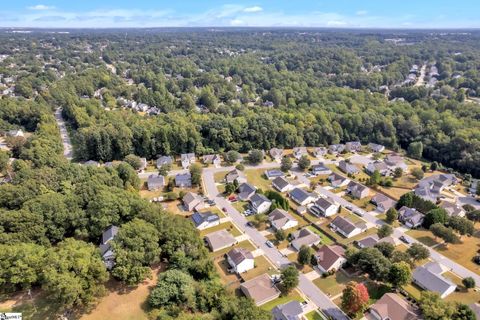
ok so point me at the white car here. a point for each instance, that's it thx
(269, 244)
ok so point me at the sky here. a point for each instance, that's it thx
(240, 13)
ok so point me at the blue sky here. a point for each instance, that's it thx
(195, 13)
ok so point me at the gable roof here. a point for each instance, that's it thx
(288, 311)
(220, 239)
(238, 255)
(280, 182)
(257, 199)
(261, 289)
(323, 203)
(344, 224)
(279, 217)
(299, 194)
(427, 277)
(391, 306)
(368, 242)
(383, 200)
(109, 233)
(275, 152)
(304, 237)
(327, 256)
(347, 167)
(190, 197)
(200, 217)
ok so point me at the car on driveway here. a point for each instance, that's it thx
(269, 244)
(250, 224)
(404, 239)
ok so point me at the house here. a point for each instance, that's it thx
(276, 154)
(453, 209)
(292, 310)
(187, 159)
(281, 220)
(300, 196)
(430, 188)
(235, 175)
(393, 307)
(183, 180)
(336, 148)
(304, 237)
(155, 182)
(143, 164)
(281, 184)
(410, 217)
(260, 289)
(299, 152)
(367, 242)
(347, 228)
(429, 277)
(259, 203)
(379, 166)
(240, 260)
(330, 258)
(204, 220)
(347, 167)
(324, 207)
(106, 250)
(91, 163)
(353, 146)
(357, 190)
(164, 161)
(274, 173)
(245, 191)
(321, 169)
(383, 202)
(319, 152)
(16, 133)
(337, 180)
(394, 160)
(212, 159)
(376, 147)
(219, 240)
(193, 201)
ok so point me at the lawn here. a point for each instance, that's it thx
(219, 177)
(240, 206)
(413, 290)
(244, 244)
(230, 280)
(257, 178)
(214, 210)
(227, 226)
(424, 236)
(334, 284)
(294, 295)
(262, 265)
(462, 295)
(325, 239)
(314, 315)
(463, 253)
(364, 203)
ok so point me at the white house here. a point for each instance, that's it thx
(301, 196)
(281, 184)
(346, 228)
(187, 159)
(260, 203)
(281, 220)
(324, 207)
(330, 258)
(240, 260)
(204, 220)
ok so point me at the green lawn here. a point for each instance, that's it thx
(227, 226)
(334, 284)
(314, 315)
(463, 295)
(325, 239)
(262, 265)
(257, 178)
(294, 295)
(244, 244)
(424, 236)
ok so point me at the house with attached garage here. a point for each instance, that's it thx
(430, 188)
(353, 146)
(276, 154)
(235, 175)
(281, 220)
(357, 190)
(259, 203)
(337, 180)
(106, 250)
(292, 310)
(330, 258)
(453, 209)
(429, 277)
(383, 202)
(273, 173)
(281, 184)
(204, 220)
(193, 201)
(212, 159)
(348, 167)
(240, 260)
(219, 240)
(299, 152)
(155, 182)
(164, 161)
(261, 289)
(394, 160)
(393, 307)
(183, 180)
(301, 197)
(347, 228)
(367, 242)
(246, 191)
(304, 237)
(319, 152)
(187, 159)
(411, 218)
(323, 207)
(379, 166)
(376, 147)
(321, 169)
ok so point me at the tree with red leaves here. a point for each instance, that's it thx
(355, 298)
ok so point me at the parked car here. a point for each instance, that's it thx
(250, 224)
(349, 208)
(358, 212)
(224, 209)
(269, 244)
(248, 212)
(404, 239)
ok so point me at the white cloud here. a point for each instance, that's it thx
(361, 12)
(41, 7)
(253, 9)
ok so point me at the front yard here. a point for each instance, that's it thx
(294, 295)
(333, 285)
(227, 226)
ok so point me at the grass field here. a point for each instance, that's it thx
(294, 295)
(257, 178)
(462, 295)
(314, 315)
(364, 203)
(424, 236)
(334, 284)
(463, 253)
(325, 239)
(262, 265)
(227, 226)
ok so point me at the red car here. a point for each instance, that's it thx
(224, 209)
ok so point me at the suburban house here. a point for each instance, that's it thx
(219, 240)
(240, 260)
(304, 237)
(379, 166)
(193, 201)
(91, 163)
(367, 242)
(336, 148)
(330, 258)
(204, 220)
(164, 161)
(430, 188)
(212, 159)
(429, 277)
(187, 159)
(320, 169)
(393, 307)
(292, 310)
(106, 250)
(357, 190)
(183, 180)
(281, 220)
(383, 202)
(453, 209)
(353, 146)
(410, 217)
(324, 207)
(155, 182)
(143, 164)
(347, 167)
(301, 196)
(259, 203)
(394, 160)
(16, 133)
(260, 289)
(337, 180)
(299, 152)
(245, 191)
(319, 152)
(376, 147)
(281, 184)
(235, 175)
(276, 154)
(274, 173)
(347, 228)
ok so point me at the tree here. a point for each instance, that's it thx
(174, 288)
(417, 173)
(134, 161)
(255, 156)
(289, 277)
(196, 173)
(164, 169)
(391, 215)
(304, 255)
(418, 252)
(371, 261)
(232, 156)
(398, 172)
(385, 248)
(461, 225)
(438, 215)
(468, 282)
(474, 215)
(4, 159)
(280, 235)
(243, 309)
(434, 166)
(406, 200)
(400, 274)
(304, 162)
(415, 150)
(384, 231)
(447, 234)
(354, 298)
(375, 178)
(128, 175)
(463, 312)
(286, 164)
(434, 308)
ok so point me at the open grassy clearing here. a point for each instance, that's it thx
(424, 236)
(463, 253)
(257, 178)
(227, 226)
(262, 265)
(334, 284)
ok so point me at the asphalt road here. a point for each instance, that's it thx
(67, 144)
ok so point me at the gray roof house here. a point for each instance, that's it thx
(106, 250)
(394, 160)
(393, 307)
(319, 152)
(429, 277)
(379, 166)
(260, 203)
(192, 201)
(212, 159)
(376, 147)
(337, 180)
(357, 190)
(347, 167)
(323, 207)
(276, 154)
(219, 240)
(164, 160)
(281, 184)
(274, 173)
(187, 159)
(346, 227)
(336, 148)
(304, 237)
(261, 289)
(367, 242)
(292, 310)
(155, 182)
(410, 217)
(353, 146)
(235, 175)
(453, 209)
(245, 191)
(183, 180)
(300, 196)
(383, 202)
(281, 220)
(320, 169)
(299, 152)
(430, 188)
(203, 220)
